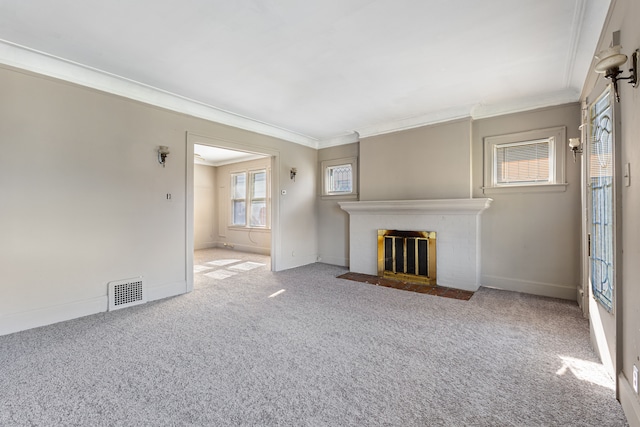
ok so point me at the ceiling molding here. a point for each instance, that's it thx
(576, 29)
(35, 61)
(478, 111)
(567, 96)
(339, 140)
(249, 158)
(17, 56)
(431, 118)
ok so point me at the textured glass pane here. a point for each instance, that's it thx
(340, 179)
(239, 190)
(259, 185)
(258, 213)
(238, 212)
(522, 163)
(601, 180)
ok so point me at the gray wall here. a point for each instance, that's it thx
(333, 222)
(430, 162)
(84, 198)
(531, 240)
(205, 218)
(250, 240)
(616, 336)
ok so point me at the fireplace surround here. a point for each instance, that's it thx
(456, 222)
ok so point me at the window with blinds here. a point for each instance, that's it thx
(526, 161)
(523, 163)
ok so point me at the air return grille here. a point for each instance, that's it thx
(126, 293)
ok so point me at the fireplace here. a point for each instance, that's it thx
(407, 255)
(457, 222)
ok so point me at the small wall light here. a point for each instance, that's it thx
(575, 146)
(609, 62)
(163, 152)
(293, 173)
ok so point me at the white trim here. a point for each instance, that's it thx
(22, 57)
(576, 28)
(324, 170)
(49, 65)
(629, 401)
(49, 315)
(557, 148)
(552, 290)
(168, 289)
(192, 139)
(246, 248)
(333, 260)
(544, 188)
(339, 140)
(30, 319)
(431, 118)
(399, 207)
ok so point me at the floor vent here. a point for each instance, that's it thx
(126, 293)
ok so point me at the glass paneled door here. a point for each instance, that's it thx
(601, 188)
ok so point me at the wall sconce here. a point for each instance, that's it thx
(163, 152)
(575, 146)
(293, 173)
(609, 62)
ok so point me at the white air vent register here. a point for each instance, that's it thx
(126, 293)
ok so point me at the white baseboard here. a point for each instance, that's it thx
(48, 315)
(246, 248)
(629, 401)
(552, 290)
(166, 290)
(297, 261)
(206, 245)
(339, 261)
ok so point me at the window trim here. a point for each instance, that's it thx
(233, 199)
(557, 138)
(248, 199)
(327, 164)
(251, 198)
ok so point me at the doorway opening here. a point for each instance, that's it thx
(231, 213)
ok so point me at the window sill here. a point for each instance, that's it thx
(243, 228)
(350, 196)
(544, 188)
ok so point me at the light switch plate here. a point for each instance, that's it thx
(627, 175)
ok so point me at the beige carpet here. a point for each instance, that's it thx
(303, 348)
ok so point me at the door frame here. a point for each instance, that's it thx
(192, 140)
(596, 323)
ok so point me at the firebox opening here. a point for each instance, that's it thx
(407, 255)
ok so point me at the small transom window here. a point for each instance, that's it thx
(339, 177)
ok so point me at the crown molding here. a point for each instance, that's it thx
(21, 57)
(18, 56)
(339, 140)
(566, 96)
(407, 123)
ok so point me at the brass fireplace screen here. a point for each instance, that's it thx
(407, 255)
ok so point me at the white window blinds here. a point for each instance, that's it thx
(523, 162)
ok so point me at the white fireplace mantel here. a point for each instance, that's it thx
(409, 207)
(455, 221)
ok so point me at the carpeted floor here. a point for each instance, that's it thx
(303, 348)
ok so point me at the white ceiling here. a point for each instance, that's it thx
(314, 72)
(217, 156)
